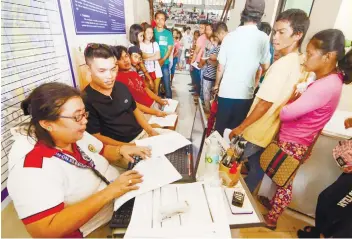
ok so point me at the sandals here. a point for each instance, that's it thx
(269, 223)
(265, 202)
(308, 232)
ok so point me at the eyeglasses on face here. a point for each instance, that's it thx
(77, 118)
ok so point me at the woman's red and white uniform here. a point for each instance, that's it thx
(41, 184)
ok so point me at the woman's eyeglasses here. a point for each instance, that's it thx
(77, 118)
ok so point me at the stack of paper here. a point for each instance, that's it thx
(157, 172)
(165, 143)
(171, 107)
(167, 121)
(205, 218)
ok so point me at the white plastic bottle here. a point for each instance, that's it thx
(212, 158)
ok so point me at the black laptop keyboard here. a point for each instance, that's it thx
(180, 160)
(122, 217)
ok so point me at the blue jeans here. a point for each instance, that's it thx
(195, 74)
(173, 68)
(166, 80)
(255, 173)
(231, 113)
(201, 85)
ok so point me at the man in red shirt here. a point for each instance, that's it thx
(147, 101)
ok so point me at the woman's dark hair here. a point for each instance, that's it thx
(265, 27)
(44, 103)
(143, 24)
(147, 26)
(135, 29)
(298, 19)
(333, 40)
(179, 34)
(118, 50)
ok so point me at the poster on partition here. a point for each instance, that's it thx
(99, 16)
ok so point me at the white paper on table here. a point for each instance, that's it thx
(157, 172)
(336, 126)
(171, 107)
(195, 65)
(226, 135)
(164, 144)
(167, 121)
(206, 217)
(222, 143)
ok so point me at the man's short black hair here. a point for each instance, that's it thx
(298, 19)
(118, 50)
(220, 26)
(160, 12)
(249, 16)
(134, 49)
(97, 50)
(188, 28)
(265, 27)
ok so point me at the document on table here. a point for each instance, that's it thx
(222, 143)
(205, 217)
(165, 143)
(171, 107)
(227, 133)
(157, 172)
(167, 121)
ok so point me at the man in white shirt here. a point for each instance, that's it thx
(240, 54)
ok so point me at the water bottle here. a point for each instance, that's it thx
(212, 158)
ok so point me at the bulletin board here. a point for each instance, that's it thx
(99, 16)
(33, 51)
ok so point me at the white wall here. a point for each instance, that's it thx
(235, 14)
(344, 18)
(323, 16)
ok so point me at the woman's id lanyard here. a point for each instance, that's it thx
(90, 164)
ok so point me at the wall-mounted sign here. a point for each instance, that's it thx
(99, 16)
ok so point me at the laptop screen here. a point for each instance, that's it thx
(198, 133)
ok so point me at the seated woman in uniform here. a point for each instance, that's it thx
(60, 179)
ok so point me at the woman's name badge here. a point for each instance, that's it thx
(91, 148)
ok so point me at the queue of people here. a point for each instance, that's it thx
(66, 157)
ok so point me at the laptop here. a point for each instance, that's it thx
(185, 160)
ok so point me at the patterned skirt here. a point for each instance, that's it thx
(298, 151)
